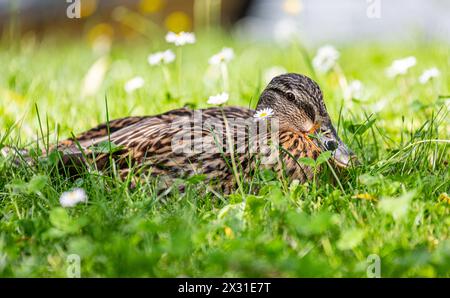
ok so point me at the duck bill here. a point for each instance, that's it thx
(342, 156)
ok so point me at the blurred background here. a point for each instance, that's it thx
(60, 54)
(314, 21)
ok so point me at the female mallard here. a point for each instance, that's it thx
(218, 142)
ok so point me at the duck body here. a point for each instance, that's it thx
(184, 142)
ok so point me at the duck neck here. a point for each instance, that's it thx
(296, 146)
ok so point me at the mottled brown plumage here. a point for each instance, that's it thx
(185, 142)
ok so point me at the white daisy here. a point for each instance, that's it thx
(325, 58)
(218, 99)
(73, 197)
(165, 57)
(354, 90)
(400, 66)
(224, 56)
(263, 114)
(180, 39)
(133, 84)
(155, 59)
(429, 74)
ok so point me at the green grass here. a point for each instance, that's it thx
(285, 229)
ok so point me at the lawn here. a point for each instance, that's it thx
(390, 213)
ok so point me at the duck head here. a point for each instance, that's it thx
(297, 102)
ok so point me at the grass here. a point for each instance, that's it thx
(393, 206)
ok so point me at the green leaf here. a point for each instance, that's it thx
(61, 221)
(195, 179)
(254, 204)
(308, 225)
(105, 147)
(267, 175)
(82, 246)
(323, 157)
(307, 161)
(37, 183)
(236, 210)
(277, 197)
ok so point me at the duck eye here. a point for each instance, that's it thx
(331, 145)
(290, 96)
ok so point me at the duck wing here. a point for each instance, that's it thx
(177, 143)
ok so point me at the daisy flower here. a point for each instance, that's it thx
(218, 99)
(325, 58)
(180, 39)
(429, 74)
(400, 66)
(263, 114)
(133, 84)
(224, 56)
(73, 197)
(221, 59)
(354, 90)
(165, 57)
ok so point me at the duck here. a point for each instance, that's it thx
(222, 144)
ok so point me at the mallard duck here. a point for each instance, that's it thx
(219, 141)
